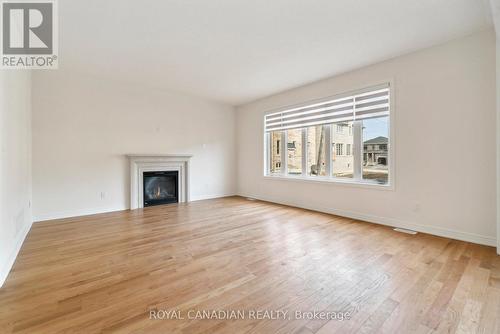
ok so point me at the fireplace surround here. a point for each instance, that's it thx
(141, 165)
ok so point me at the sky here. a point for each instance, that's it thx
(375, 127)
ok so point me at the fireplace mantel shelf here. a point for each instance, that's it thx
(186, 156)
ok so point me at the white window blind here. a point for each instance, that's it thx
(369, 103)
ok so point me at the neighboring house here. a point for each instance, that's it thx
(294, 151)
(375, 151)
(342, 149)
(276, 154)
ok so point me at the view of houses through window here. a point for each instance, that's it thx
(346, 138)
(275, 163)
(374, 156)
(316, 150)
(342, 157)
(294, 151)
(375, 149)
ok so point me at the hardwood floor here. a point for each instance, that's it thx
(105, 273)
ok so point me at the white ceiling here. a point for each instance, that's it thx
(236, 51)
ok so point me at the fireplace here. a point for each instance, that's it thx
(160, 187)
(141, 164)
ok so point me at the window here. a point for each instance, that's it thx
(275, 159)
(316, 150)
(375, 156)
(339, 149)
(340, 138)
(294, 140)
(342, 162)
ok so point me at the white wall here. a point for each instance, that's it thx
(445, 151)
(83, 127)
(15, 165)
(497, 91)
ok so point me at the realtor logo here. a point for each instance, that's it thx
(29, 34)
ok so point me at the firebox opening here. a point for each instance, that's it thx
(161, 188)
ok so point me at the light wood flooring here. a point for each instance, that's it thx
(105, 273)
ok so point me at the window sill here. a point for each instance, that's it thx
(358, 184)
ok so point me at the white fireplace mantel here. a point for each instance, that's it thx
(140, 163)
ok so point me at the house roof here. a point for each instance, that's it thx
(377, 140)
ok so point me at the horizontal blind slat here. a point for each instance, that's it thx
(304, 118)
(342, 106)
(331, 101)
(368, 104)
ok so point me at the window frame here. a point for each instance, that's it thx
(356, 148)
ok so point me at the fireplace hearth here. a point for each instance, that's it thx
(160, 187)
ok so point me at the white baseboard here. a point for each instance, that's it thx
(204, 197)
(6, 267)
(93, 211)
(439, 231)
(76, 213)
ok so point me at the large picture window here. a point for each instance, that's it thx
(344, 138)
